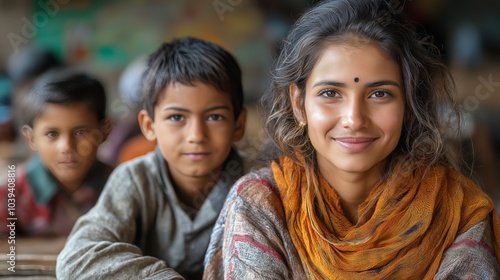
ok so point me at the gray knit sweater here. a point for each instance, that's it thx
(139, 230)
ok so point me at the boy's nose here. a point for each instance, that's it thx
(197, 132)
(355, 115)
(66, 144)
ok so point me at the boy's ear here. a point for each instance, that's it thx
(147, 125)
(106, 128)
(29, 137)
(240, 125)
(296, 103)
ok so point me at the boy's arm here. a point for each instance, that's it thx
(250, 239)
(101, 244)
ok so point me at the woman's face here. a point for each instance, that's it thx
(354, 107)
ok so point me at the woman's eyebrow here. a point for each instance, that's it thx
(329, 83)
(370, 84)
(383, 83)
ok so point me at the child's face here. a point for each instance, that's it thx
(354, 108)
(194, 127)
(66, 137)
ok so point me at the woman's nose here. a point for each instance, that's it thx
(355, 115)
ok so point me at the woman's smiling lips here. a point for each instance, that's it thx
(355, 144)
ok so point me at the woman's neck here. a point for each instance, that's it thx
(352, 187)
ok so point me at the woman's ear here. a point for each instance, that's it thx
(29, 137)
(240, 125)
(147, 125)
(296, 101)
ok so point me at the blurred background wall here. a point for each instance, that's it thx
(104, 37)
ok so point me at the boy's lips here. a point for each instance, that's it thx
(69, 163)
(355, 144)
(197, 155)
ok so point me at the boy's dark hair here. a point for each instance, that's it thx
(65, 87)
(187, 61)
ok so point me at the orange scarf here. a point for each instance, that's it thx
(403, 234)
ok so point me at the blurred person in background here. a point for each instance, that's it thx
(64, 122)
(22, 69)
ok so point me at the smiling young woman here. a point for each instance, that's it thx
(353, 126)
(359, 185)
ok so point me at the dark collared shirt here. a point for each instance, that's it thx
(43, 207)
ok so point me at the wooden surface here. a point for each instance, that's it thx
(35, 258)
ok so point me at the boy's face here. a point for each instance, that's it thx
(66, 138)
(194, 127)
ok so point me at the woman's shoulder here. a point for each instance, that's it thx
(256, 183)
(254, 195)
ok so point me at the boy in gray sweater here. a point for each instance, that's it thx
(156, 213)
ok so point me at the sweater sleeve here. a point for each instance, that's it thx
(471, 256)
(250, 239)
(101, 244)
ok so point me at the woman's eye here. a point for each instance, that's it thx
(215, 118)
(380, 94)
(328, 93)
(176, 118)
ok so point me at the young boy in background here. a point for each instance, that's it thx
(156, 213)
(64, 123)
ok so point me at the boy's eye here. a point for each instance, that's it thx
(215, 117)
(380, 94)
(81, 132)
(328, 93)
(51, 134)
(176, 118)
